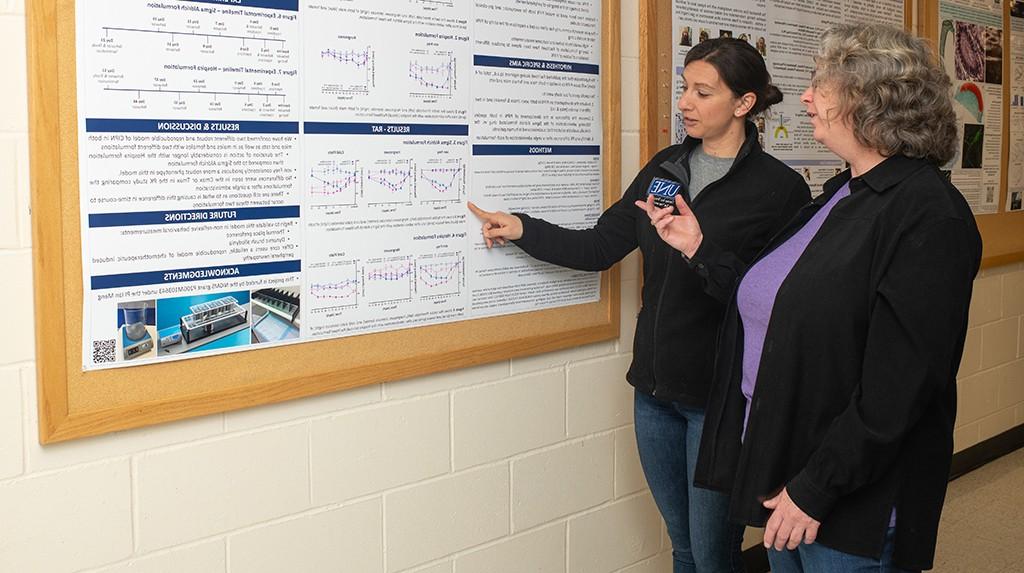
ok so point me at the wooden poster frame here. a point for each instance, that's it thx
(74, 403)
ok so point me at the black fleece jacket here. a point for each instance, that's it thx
(855, 399)
(682, 304)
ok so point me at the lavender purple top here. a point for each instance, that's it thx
(756, 295)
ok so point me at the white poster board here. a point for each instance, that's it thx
(271, 172)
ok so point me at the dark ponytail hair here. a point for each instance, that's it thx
(741, 67)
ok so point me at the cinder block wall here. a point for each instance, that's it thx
(522, 465)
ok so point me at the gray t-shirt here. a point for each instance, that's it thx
(706, 169)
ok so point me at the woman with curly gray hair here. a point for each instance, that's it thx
(831, 419)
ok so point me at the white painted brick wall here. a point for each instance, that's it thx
(560, 358)
(599, 385)
(991, 378)
(190, 492)
(986, 301)
(661, 563)
(206, 557)
(455, 472)
(539, 551)
(546, 485)
(9, 236)
(315, 543)
(445, 567)
(446, 381)
(16, 288)
(66, 521)
(376, 449)
(39, 458)
(506, 418)
(432, 520)
(629, 475)
(252, 418)
(22, 191)
(614, 536)
(14, 96)
(12, 442)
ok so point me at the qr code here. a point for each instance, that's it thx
(103, 351)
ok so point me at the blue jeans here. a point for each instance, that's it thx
(816, 557)
(668, 438)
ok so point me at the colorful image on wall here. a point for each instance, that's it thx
(974, 141)
(202, 322)
(759, 122)
(275, 314)
(781, 130)
(970, 98)
(1016, 201)
(993, 56)
(947, 29)
(1017, 8)
(970, 52)
(136, 328)
(685, 37)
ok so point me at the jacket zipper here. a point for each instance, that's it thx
(744, 152)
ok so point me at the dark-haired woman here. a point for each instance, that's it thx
(743, 196)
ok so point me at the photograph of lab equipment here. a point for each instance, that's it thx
(211, 321)
(212, 317)
(275, 314)
(136, 323)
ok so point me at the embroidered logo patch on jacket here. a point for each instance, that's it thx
(664, 191)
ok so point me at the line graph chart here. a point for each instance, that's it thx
(389, 182)
(439, 276)
(353, 71)
(335, 183)
(441, 181)
(388, 280)
(432, 74)
(333, 285)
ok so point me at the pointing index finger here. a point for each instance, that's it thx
(477, 210)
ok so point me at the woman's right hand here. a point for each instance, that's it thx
(681, 231)
(498, 227)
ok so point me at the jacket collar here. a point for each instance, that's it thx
(680, 166)
(879, 179)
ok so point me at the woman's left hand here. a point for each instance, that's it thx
(681, 231)
(789, 525)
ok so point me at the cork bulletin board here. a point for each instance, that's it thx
(75, 403)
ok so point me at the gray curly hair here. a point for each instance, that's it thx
(892, 88)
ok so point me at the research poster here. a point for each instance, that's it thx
(266, 172)
(970, 47)
(786, 33)
(1015, 167)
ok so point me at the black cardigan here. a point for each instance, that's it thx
(856, 394)
(681, 310)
